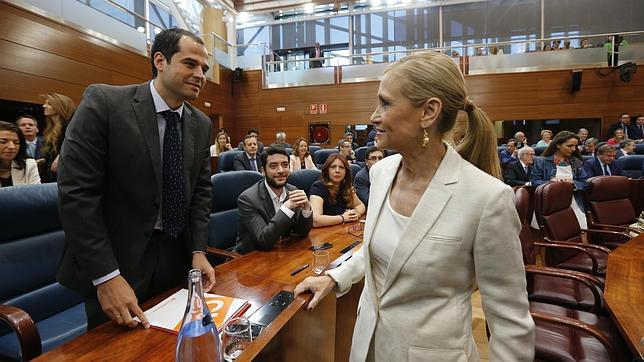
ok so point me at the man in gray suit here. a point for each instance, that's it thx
(271, 208)
(134, 185)
(250, 159)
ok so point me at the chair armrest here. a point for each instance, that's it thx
(221, 252)
(616, 234)
(575, 246)
(617, 227)
(601, 248)
(598, 304)
(577, 324)
(25, 329)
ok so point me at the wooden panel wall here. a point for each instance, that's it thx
(38, 55)
(532, 95)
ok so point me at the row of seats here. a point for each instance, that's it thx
(639, 149)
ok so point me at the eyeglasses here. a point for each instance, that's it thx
(375, 158)
(356, 230)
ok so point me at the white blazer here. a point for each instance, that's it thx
(28, 175)
(296, 165)
(464, 232)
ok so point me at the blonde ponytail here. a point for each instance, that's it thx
(478, 146)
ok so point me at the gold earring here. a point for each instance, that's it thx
(425, 138)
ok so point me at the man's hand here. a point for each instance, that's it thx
(297, 199)
(199, 261)
(119, 302)
(319, 286)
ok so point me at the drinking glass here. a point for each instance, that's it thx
(320, 261)
(237, 335)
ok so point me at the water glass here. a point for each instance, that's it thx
(237, 335)
(320, 261)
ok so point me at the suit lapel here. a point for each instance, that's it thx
(425, 214)
(147, 119)
(267, 202)
(188, 141)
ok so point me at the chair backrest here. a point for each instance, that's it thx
(522, 201)
(556, 218)
(587, 157)
(639, 149)
(370, 144)
(539, 150)
(632, 166)
(354, 170)
(31, 245)
(608, 200)
(224, 217)
(226, 160)
(288, 150)
(303, 179)
(321, 155)
(361, 153)
(313, 149)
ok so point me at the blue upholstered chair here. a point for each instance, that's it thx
(226, 160)
(361, 153)
(632, 166)
(354, 170)
(288, 150)
(639, 149)
(321, 155)
(539, 150)
(44, 313)
(224, 217)
(313, 149)
(303, 179)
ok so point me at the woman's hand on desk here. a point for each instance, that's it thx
(351, 215)
(319, 286)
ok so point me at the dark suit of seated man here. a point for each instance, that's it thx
(604, 164)
(272, 209)
(361, 181)
(518, 173)
(249, 160)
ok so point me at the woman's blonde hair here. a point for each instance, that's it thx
(64, 108)
(221, 149)
(431, 74)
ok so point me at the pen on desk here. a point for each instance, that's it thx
(350, 246)
(299, 269)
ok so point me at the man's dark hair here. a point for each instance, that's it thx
(625, 113)
(247, 137)
(26, 116)
(167, 43)
(253, 130)
(22, 150)
(625, 143)
(272, 151)
(372, 150)
(604, 149)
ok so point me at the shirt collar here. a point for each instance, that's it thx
(249, 156)
(523, 164)
(272, 194)
(160, 105)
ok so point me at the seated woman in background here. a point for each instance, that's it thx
(15, 167)
(546, 137)
(301, 159)
(562, 162)
(618, 136)
(222, 144)
(333, 198)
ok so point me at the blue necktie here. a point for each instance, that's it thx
(606, 170)
(253, 165)
(173, 205)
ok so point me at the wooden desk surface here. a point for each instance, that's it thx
(256, 277)
(624, 292)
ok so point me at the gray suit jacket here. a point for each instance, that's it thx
(259, 226)
(242, 162)
(109, 183)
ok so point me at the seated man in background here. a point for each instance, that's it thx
(508, 155)
(583, 136)
(280, 140)
(249, 160)
(520, 140)
(272, 209)
(344, 146)
(626, 147)
(361, 181)
(590, 147)
(349, 137)
(255, 133)
(518, 173)
(29, 128)
(604, 164)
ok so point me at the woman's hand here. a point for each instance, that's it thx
(351, 215)
(54, 165)
(319, 286)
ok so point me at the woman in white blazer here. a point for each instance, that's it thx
(15, 168)
(301, 159)
(440, 224)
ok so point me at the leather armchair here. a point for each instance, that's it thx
(303, 179)
(559, 225)
(224, 217)
(609, 207)
(227, 159)
(38, 313)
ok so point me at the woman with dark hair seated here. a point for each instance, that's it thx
(333, 198)
(15, 167)
(562, 162)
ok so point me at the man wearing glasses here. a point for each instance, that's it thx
(362, 182)
(517, 173)
(344, 146)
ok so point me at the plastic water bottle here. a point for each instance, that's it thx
(198, 337)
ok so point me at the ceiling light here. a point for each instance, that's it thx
(141, 29)
(157, 30)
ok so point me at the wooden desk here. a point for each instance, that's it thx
(624, 292)
(295, 335)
